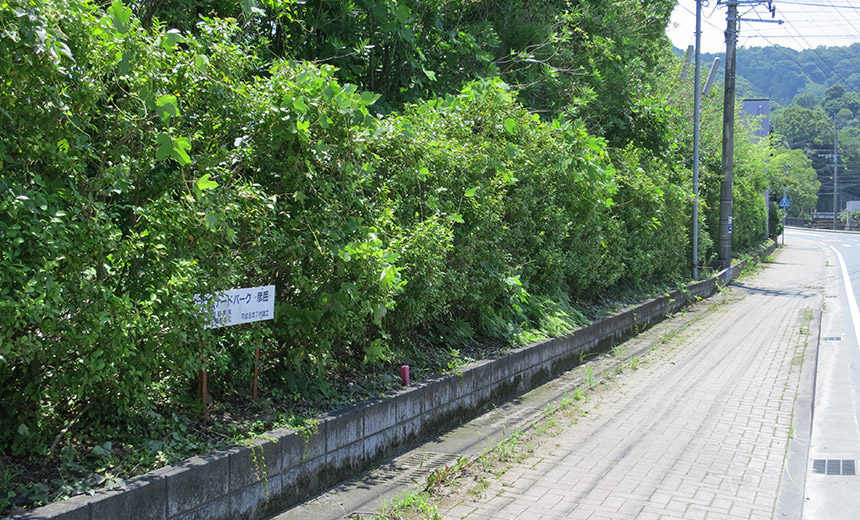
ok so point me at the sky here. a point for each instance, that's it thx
(807, 24)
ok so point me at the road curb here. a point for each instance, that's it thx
(792, 485)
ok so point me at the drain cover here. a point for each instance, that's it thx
(833, 466)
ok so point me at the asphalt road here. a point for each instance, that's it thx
(833, 483)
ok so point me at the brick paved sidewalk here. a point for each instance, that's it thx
(700, 430)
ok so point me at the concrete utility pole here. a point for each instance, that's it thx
(835, 170)
(726, 200)
(697, 118)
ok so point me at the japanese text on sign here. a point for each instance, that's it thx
(238, 306)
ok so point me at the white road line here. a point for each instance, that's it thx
(852, 300)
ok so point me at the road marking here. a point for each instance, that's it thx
(852, 300)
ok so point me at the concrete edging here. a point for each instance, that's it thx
(283, 467)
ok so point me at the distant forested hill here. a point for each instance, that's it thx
(780, 73)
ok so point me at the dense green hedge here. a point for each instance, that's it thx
(139, 167)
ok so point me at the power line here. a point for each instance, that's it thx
(847, 24)
(831, 4)
(703, 19)
(776, 36)
(815, 51)
(816, 20)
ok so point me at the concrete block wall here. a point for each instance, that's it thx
(284, 467)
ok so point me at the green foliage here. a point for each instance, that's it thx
(461, 166)
(801, 127)
(750, 177)
(109, 238)
(655, 206)
(791, 173)
(781, 74)
(750, 182)
(595, 57)
(145, 163)
(808, 127)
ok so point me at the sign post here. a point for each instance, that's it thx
(784, 204)
(235, 307)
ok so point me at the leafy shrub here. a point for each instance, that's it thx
(655, 207)
(113, 227)
(142, 166)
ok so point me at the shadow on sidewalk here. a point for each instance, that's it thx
(801, 293)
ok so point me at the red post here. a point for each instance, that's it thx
(404, 375)
(256, 372)
(203, 391)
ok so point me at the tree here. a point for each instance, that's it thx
(840, 103)
(791, 171)
(805, 100)
(801, 127)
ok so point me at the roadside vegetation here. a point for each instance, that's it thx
(424, 183)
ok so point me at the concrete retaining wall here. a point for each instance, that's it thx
(285, 467)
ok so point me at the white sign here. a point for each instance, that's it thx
(238, 306)
(853, 205)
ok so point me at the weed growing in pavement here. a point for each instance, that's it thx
(530, 448)
(566, 402)
(445, 475)
(506, 449)
(480, 487)
(414, 501)
(751, 267)
(634, 363)
(494, 462)
(584, 355)
(549, 410)
(545, 426)
(589, 378)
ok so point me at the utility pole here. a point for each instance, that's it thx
(726, 200)
(697, 118)
(835, 169)
(784, 209)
